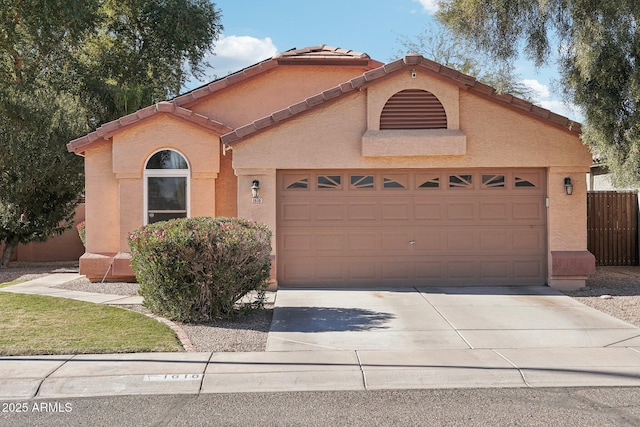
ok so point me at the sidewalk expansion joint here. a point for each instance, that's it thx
(364, 375)
(514, 366)
(53, 371)
(621, 341)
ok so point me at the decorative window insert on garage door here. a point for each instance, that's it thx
(411, 227)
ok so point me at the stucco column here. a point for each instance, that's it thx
(203, 194)
(101, 213)
(261, 209)
(569, 261)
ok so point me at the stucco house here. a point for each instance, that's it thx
(406, 173)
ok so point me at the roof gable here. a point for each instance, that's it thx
(462, 80)
(315, 55)
(107, 130)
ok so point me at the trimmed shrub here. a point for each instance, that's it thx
(196, 269)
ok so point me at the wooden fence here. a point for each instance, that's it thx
(612, 227)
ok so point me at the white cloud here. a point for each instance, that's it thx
(429, 6)
(543, 97)
(541, 91)
(233, 53)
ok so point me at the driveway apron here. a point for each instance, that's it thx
(429, 318)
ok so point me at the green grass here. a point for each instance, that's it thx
(15, 282)
(33, 324)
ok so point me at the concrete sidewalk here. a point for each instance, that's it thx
(601, 364)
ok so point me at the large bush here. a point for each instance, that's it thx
(196, 269)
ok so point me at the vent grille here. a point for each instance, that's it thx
(413, 109)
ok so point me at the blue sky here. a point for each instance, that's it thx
(256, 30)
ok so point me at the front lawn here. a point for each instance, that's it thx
(33, 324)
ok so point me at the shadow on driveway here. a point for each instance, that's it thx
(328, 319)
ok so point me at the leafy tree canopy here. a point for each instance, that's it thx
(598, 50)
(445, 47)
(65, 68)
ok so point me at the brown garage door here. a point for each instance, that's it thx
(408, 227)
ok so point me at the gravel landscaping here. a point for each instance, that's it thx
(615, 291)
(247, 333)
(612, 290)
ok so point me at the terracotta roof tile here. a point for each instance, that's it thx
(321, 51)
(483, 88)
(375, 74)
(412, 59)
(521, 103)
(431, 65)
(541, 112)
(298, 107)
(263, 122)
(280, 115)
(332, 93)
(346, 87)
(315, 100)
(393, 66)
(357, 82)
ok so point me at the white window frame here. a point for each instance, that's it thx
(169, 173)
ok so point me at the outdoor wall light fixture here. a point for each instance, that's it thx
(413, 74)
(568, 186)
(255, 189)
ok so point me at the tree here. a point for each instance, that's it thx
(39, 181)
(448, 49)
(597, 44)
(67, 67)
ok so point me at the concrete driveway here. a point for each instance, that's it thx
(415, 319)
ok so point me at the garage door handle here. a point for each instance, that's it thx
(412, 242)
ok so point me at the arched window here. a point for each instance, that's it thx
(413, 109)
(166, 187)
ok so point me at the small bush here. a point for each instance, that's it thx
(196, 269)
(81, 227)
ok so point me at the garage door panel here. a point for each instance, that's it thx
(429, 270)
(331, 242)
(462, 269)
(494, 240)
(533, 210)
(397, 270)
(460, 240)
(528, 239)
(296, 212)
(364, 241)
(329, 211)
(428, 211)
(395, 211)
(362, 270)
(461, 211)
(358, 211)
(495, 211)
(296, 242)
(430, 240)
(394, 243)
(528, 269)
(477, 228)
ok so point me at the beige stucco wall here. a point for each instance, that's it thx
(259, 97)
(496, 136)
(101, 208)
(133, 147)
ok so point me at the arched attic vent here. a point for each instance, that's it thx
(413, 109)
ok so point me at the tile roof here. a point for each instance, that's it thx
(107, 130)
(324, 54)
(464, 81)
(314, 55)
